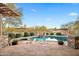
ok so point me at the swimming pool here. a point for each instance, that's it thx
(51, 38)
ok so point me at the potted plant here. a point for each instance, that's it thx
(60, 42)
(14, 43)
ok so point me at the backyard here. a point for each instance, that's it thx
(24, 34)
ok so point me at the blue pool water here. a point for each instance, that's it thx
(51, 38)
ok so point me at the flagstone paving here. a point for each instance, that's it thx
(39, 49)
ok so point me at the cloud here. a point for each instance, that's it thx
(34, 10)
(73, 14)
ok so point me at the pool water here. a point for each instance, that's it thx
(51, 38)
(39, 39)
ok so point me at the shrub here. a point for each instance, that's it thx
(60, 42)
(47, 33)
(31, 34)
(58, 34)
(24, 39)
(51, 33)
(11, 35)
(18, 35)
(26, 34)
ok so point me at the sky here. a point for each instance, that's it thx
(50, 15)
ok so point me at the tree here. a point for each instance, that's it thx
(13, 21)
(73, 26)
(40, 28)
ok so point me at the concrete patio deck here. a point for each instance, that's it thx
(39, 49)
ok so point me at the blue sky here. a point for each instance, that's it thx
(48, 14)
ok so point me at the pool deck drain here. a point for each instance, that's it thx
(39, 49)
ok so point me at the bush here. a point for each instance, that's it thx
(60, 42)
(31, 34)
(24, 39)
(47, 33)
(11, 35)
(18, 35)
(14, 43)
(51, 33)
(58, 34)
(26, 34)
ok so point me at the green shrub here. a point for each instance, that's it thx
(11, 35)
(26, 34)
(47, 33)
(18, 35)
(51, 33)
(31, 34)
(58, 34)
